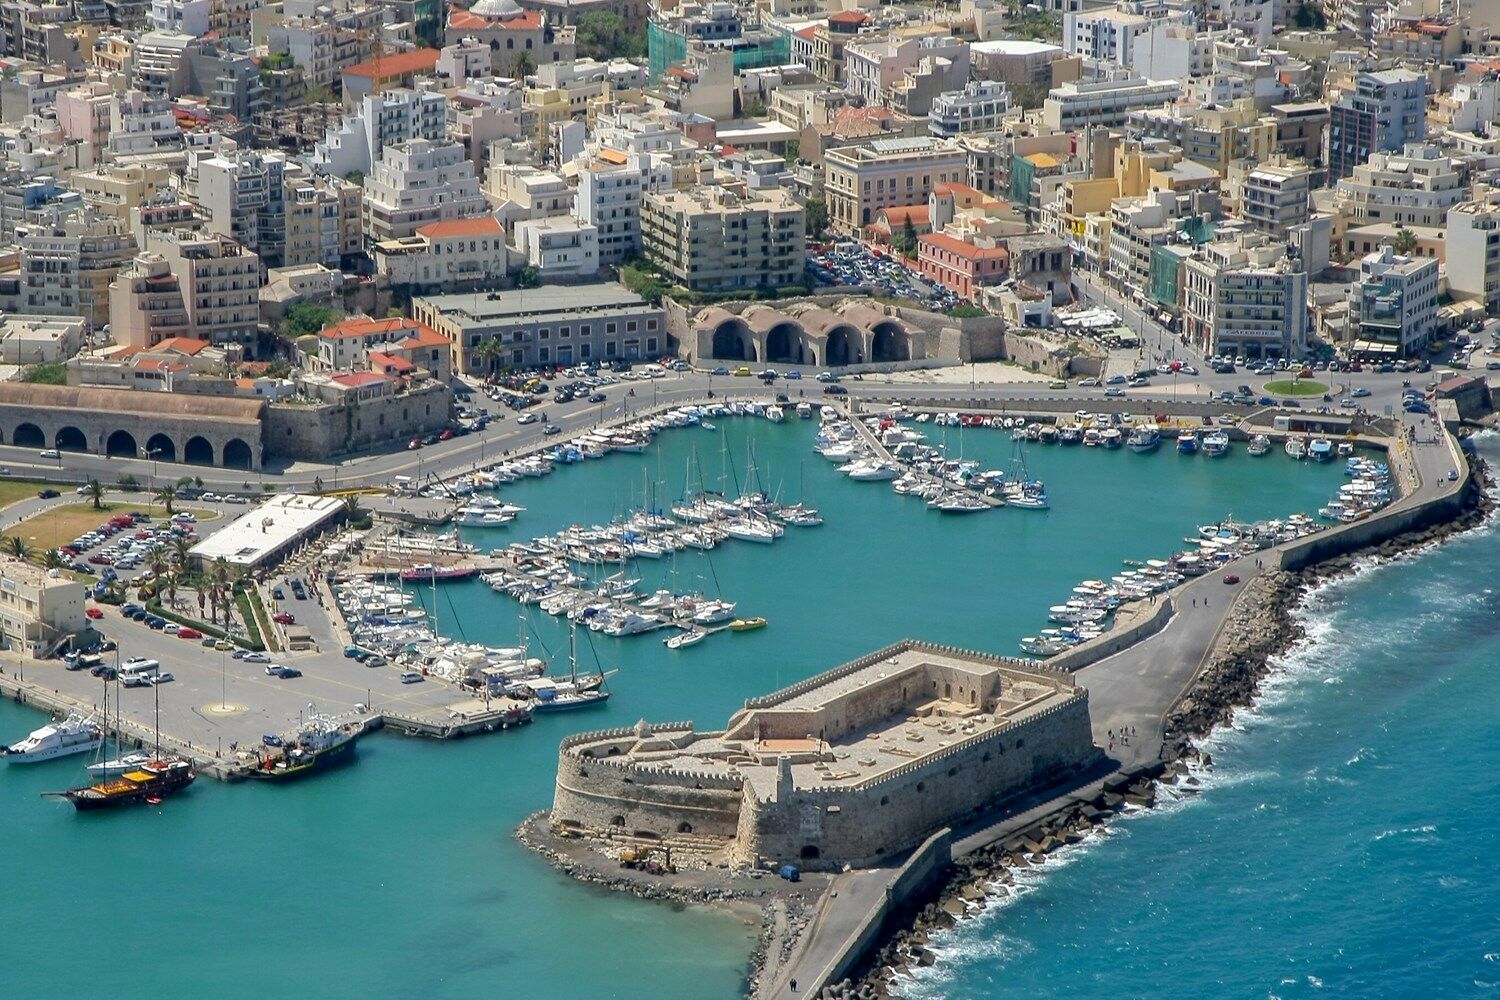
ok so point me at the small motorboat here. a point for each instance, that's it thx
(746, 624)
(683, 639)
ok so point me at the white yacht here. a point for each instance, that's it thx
(775, 414)
(804, 410)
(754, 530)
(870, 470)
(114, 768)
(76, 734)
(713, 612)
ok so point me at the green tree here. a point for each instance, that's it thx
(528, 278)
(355, 177)
(307, 317)
(1405, 241)
(18, 546)
(523, 66)
(54, 559)
(817, 217)
(489, 351)
(600, 34)
(95, 493)
(755, 109)
(48, 374)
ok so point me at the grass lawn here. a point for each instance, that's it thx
(63, 524)
(1295, 387)
(12, 490)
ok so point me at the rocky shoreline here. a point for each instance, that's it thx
(1262, 626)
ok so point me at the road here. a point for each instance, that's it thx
(505, 436)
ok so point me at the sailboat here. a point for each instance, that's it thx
(119, 764)
(684, 639)
(557, 696)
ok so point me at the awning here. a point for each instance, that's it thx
(1375, 347)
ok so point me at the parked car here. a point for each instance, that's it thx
(48, 494)
(256, 657)
(284, 618)
(189, 633)
(550, 429)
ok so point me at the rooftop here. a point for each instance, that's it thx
(396, 64)
(255, 534)
(494, 307)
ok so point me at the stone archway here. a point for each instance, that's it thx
(237, 454)
(784, 345)
(121, 444)
(161, 448)
(198, 451)
(810, 852)
(732, 341)
(843, 346)
(889, 342)
(70, 439)
(28, 436)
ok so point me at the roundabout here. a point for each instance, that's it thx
(1295, 387)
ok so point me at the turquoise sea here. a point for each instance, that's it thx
(1344, 845)
(399, 876)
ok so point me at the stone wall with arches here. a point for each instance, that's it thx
(128, 423)
(813, 332)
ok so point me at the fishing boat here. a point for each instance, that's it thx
(1187, 443)
(319, 743)
(684, 639)
(1111, 438)
(746, 624)
(77, 733)
(1259, 445)
(804, 410)
(1146, 437)
(1216, 444)
(1320, 449)
(1296, 449)
(151, 783)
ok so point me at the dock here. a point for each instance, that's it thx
(872, 439)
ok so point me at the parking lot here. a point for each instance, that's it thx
(846, 262)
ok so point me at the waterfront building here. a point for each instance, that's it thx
(1245, 296)
(846, 768)
(715, 239)
(1394, 305)
(887, 173)
(554, 324)
(1136, 226)
(38, 611)
(445, 255)
(348, 344)
(262, 537)
(1382, 113)
(962, 266)
(1474, 251)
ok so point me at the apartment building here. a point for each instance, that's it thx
(559, 247)
(187, 284)
(1110, 35)
(1244, 296)
(1474, 251)
(1213, 136)
(609, 197)
(1276, 196)
(1393, 305)
(875, 67)
(418, 182)
(1136, 226)
(446, 255)
(1413, 187)
(980, 107)
(960, 265)
(68, 263)
(717, 240)
(381, 120)
(1076, 105)
(1381, 113)
(861, 180)
(346, 345)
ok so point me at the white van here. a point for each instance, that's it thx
(138, 671)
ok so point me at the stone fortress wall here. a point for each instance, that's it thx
(737, 786)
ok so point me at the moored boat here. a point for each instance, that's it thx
(1146, 437)
(746, 624)
(77, 733)
(151, 782)
(1259, 445)
(319, 743)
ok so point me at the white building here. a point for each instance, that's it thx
(979, 107)
(1111, 36)
(266, 534)
(559, 246)
(609, 200)
(397, 115)
(38, 609)
(418, 182)
(1276, 196)
(1474, 252)
(141, 125)
(1415, 187)
(1394, 305)
(1244, 296)
(1106, 102)
(186, 17)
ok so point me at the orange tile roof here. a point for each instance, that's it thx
(463, 19)
(810, 32)
(425, 336)
(182, 345)
(614, 156)
(396, 64)
(919, 215)
(852, 17)
(384, 360)
(355, 380)
(483, 225)
(364, 326)
(968, 251)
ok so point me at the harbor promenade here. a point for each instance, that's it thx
(1134, 689)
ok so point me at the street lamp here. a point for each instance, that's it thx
(151, 453)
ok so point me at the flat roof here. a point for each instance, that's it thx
(518, 302)
(255, 534)
(1013, 47)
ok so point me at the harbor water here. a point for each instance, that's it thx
(399, 875)
(1343, 845)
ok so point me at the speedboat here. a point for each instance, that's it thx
(867, 470)
(775, 414)
(746, 624)
(77, 733)
(804, 410)
(1111, 438)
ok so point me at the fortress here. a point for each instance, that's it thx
(848, 767)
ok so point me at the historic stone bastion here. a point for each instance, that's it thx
(848, 767)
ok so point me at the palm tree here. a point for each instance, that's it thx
(489, 351)
(95, 492)
(180, 549)
(1404, 242)
(165, 496)
(352, 507)
(524, 66)
(54, 560)
(219, 574)
(18, 546)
